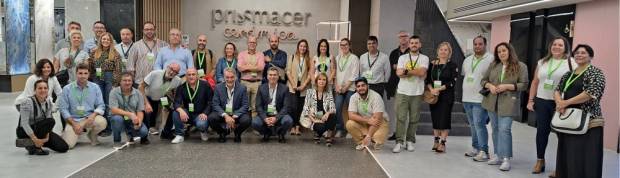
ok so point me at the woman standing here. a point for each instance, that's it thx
(324, 63)
(320, 109)
(36, 122)
(66, 59)
(548, 73)
(229, 60)
(440, 81)
(299, 72)
(347, 70)
(581, 155)
(105, 68)
(505, 79)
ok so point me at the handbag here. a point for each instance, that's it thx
(305, 122)
(63, 77)
(429, 97)
(573, 121)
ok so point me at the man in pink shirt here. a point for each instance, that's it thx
(251, 65)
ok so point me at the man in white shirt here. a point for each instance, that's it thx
(125, 45)
(375, 66)
(411, 69)
(474, 67)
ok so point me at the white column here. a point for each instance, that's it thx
(44, 29)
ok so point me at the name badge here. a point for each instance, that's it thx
(80, 110)
(124, 60)
(469, 78)
(437, 84)
(164, 101)
(271, 109)
(254, 74)
(150, 57)
(319, 114)
(190, 107)
(548, 85)
(126, 118)
(99, 72)
(229, 108)
(368, 75)
(201, 73)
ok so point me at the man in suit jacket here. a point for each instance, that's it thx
(273, 117)
(230, 114)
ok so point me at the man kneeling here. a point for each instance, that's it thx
(127, 107)
(230, 107)
(368, 121)
(193, 105)
(273, 117)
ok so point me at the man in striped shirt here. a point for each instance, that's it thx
(142, 57)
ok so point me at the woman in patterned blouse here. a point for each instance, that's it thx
(581, 155)
(105, 69)
(320, 109)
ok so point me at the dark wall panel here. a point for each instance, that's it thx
(118, 14)
(359, 15)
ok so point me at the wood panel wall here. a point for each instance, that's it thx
(165, 14)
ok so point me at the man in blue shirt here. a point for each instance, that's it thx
(99, 29)
(81, 104)
(174, 53)
(274, 57)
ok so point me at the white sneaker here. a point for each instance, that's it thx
(118, 145)
(204, 136)
(410, 146)
(136, 140)
(153, 131)
(177, 139)
(397, 148)
(505, 165)
(481, 157)
(471, 153)
(494, 160)
(359, 147)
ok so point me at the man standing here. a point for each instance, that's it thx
(368, 120)
(403, 48)
(251, 65)
(98, 29)
(174, 53)
(81, 104)
(124, 47)
(156, 88)
(375, 66)
(412, 70)
(474, 67)
(192, 105)
(273, 117)
(143, 55)
(204, 59)
(66, 43)
(127, 107)
(274, 57)
(230, 107)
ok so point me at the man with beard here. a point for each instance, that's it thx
(143, 55)
(368, 121)
(204, 60)
(274, 57)
(157, 90)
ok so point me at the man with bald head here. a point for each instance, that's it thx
(274, 57)
(192, 105)
(157, 89)
(174, 53)
(251, 65)
(204, 59)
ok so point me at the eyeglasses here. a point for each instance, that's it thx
(343, 45)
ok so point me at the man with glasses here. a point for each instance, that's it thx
(403, 48)
(99, 29)
(174, 53)
(157, 90)
(251, 65)
(144, 52)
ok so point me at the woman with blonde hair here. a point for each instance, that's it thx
(320, 109)
(66, 59)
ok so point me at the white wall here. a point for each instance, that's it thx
(465, 32)
(196, 19)
(86, 12)
(44, 29)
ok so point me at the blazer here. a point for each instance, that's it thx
(263, 99)
(508, 103)
(240, 99)
(292, 69)
(310, 103)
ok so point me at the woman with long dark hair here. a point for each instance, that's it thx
(299, 72)
(324, 63)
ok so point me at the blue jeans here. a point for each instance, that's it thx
(477, 118)
(105, 84)
(119, 123)
(282, 126)
(544, 112)
(502, 135)
(179, 125)
(341, 100)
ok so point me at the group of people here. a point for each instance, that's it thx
(152, 87)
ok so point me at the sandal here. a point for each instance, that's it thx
(436, 144)
(442, 147)
(328, 141)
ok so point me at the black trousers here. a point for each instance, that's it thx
(41, 129)
(330, 124)
(544, 112)
(296, 106)
(379, 88)
(150, 119)
(218, 123)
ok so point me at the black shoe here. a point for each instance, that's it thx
(237, 138)
(30, 149)
(144, 141)
(36, 151)
(167, 136)
(393, 137)
(281, 139)
(222, 138)
(265, 138)
(105, 133)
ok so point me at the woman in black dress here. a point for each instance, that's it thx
(440, 80)
(581, 155)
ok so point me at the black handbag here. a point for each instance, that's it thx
(63, 77)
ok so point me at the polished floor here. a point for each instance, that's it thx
(297, 158)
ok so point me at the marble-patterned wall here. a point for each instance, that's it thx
(44, 29)
(85, 12)
(18, 36)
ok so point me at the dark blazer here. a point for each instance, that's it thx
(240, 99)
(263, 99)
(202, 100)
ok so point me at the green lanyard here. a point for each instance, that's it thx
(364, 105)
(416, 61)
(201, 59)
(323, 64)
(570, 80)
(501, 77)
(231, 64)
(189, 93)
(475, 65)
(552, 69)
(343, 65)
(79, 98)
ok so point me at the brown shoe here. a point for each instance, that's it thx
(552, 175)
(539, 166)
(436, 144)
(441, 147)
